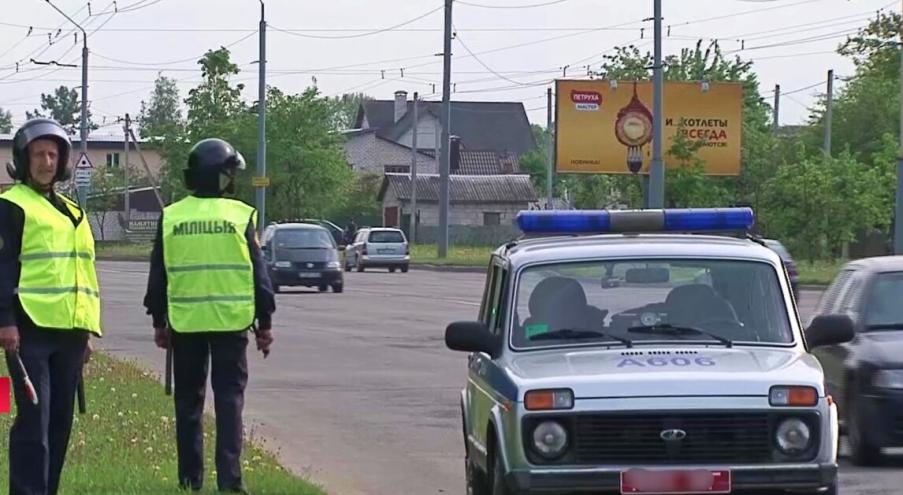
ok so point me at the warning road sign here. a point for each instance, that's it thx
(84, 162)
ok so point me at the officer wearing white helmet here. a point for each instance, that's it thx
(49, 304)
(207, 285)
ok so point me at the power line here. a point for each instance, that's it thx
(361, 35)
(171, 62)
(530, 6)
(472, 54)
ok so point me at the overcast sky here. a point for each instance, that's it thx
(518, 50)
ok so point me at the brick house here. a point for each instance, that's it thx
(494, 135)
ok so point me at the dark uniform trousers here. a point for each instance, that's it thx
(39, 436)
(227, 352)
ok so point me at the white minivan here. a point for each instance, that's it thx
(378, 247)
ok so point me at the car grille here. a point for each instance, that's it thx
(302, 265)
(710, 438)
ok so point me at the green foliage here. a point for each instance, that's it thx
(816, 204)
(346, 108)
(103, 200)
(64, 106)
(161, 115)
(6, 121)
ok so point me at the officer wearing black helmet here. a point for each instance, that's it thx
(49, 304)
(207, 286)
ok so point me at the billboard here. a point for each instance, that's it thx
(606, 128)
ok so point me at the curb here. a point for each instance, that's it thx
(448, 268)
(813, 286)
(123, 258)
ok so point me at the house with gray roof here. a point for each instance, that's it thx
(488, 202)
(493, 135)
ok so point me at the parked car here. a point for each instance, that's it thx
(865, 375)
(789, 264)
(378, 247)
(302, 254)
(652, 384)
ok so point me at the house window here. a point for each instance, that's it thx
(112, 160)
(492, 218)
(397, 169)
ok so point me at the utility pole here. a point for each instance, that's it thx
(551, 143)
(125, 171)
(777, 108)
(261, 123)
(657, 170)
(898, 217)
(828, 112)
(413, 228)
(82, 190)
(442, 250)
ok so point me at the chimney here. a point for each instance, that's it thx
(401, 104)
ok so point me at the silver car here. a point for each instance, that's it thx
(644, 360)
(378, 247)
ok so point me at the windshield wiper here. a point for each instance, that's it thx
(667, 329)
(573, 333)
(885, 326)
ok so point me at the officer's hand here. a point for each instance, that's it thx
(161, 337)
(264, 340)
(9, 338)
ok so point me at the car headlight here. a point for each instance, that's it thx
(550, 439)
(333, 264)
(283, 264)
(793, 436)
(888, 379)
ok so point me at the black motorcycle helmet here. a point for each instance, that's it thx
(212, 164)
(33, 130)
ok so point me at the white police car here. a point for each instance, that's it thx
(625, 352)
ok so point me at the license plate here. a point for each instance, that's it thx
(675, 482)
(385, 251)
(309, 275)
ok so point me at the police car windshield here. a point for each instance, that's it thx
(740, 301)
(304, 239)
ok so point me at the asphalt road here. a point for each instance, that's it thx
(360, 392)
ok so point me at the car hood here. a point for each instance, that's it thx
(301, 255)
(663, 372)
(883, 347)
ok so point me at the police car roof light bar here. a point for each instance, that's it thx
(576, 222)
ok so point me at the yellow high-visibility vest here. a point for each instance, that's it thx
(57, 283)
(210, 277)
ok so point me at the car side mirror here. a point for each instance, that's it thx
(827, 330)
(470, 336)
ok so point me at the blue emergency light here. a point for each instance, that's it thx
(624, 221)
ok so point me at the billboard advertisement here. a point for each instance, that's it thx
(606, 128)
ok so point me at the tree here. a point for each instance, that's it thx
(162, 114)
(104, 201)
(6, 121)
(819, 203)
(64, 106)
(346, 108)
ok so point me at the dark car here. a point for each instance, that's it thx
(302, 254)
(789, 264)
(865, 375)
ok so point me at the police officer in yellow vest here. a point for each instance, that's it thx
(207, 285)
(49, 303)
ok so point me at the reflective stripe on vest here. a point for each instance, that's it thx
(210, 279)
(57, 283)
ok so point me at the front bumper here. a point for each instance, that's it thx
(805, 478)
(883, 415)
(292, 277)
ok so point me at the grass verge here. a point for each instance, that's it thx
(818, 272)
(125, 442)
(426, 254)
(125, 251)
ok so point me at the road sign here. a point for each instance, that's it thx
(82, 177)
(84, 162)
(260, 181)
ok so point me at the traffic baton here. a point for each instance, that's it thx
(81, 396)
(169, 366)
(29, 387)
